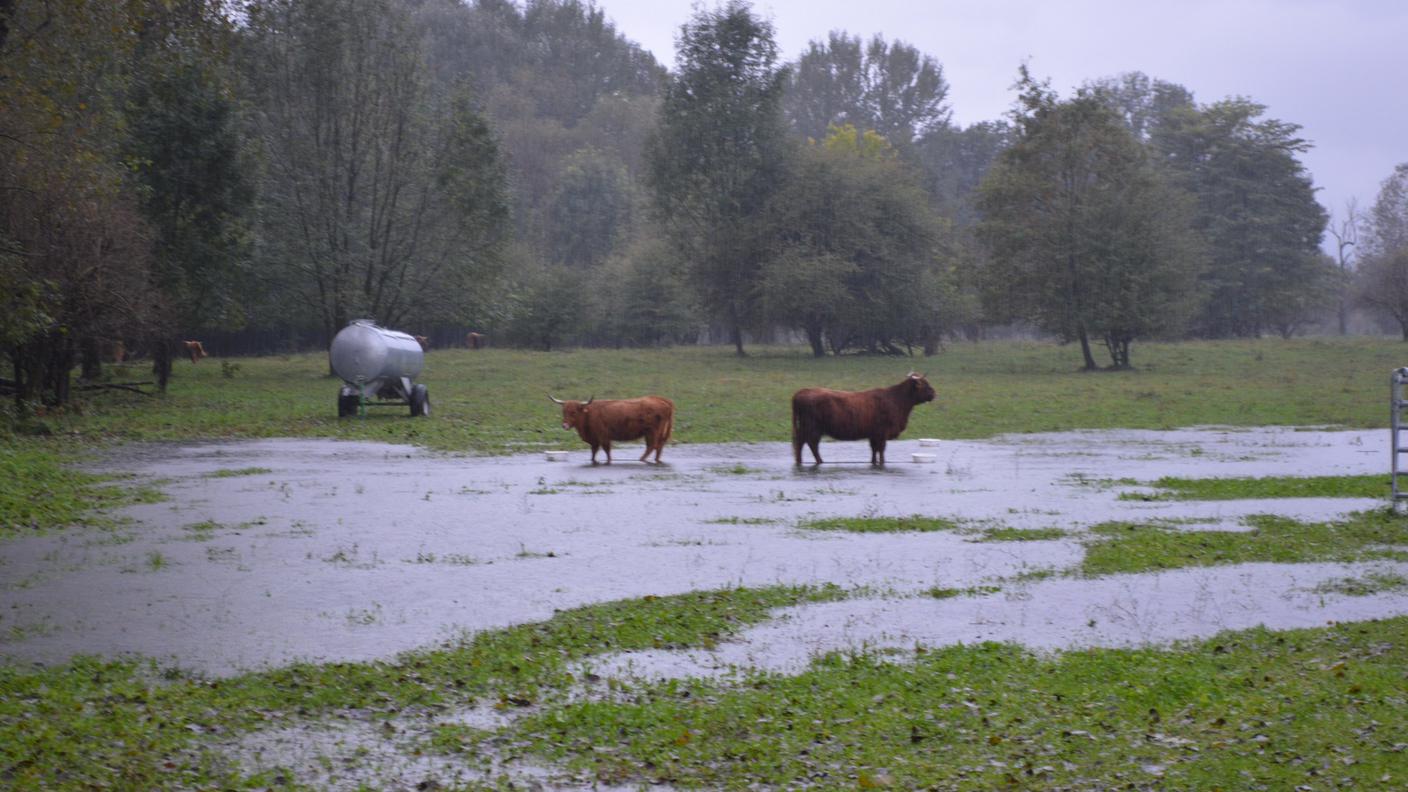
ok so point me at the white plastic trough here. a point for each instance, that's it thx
(922, 459)
(555, 456)
(928, 442)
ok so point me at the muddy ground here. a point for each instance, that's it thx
(355, 551)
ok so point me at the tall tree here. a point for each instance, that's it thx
(856, 248)
(1144, 102)
(1256, 209)
(381, 198)
(719, 153)
(1382, 284)
(74, 250)
(1086, 239)
(892, 88)
(1345, 230)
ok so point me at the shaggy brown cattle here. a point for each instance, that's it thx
(423, 341)
(475, 340)
(601, 422)
(877, 415)
(194, 349)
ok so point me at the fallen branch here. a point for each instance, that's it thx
(127, 386)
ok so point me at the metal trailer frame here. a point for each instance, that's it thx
(1396, 445)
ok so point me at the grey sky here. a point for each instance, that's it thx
(1332, 67)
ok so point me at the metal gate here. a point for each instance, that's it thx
(1397, 447)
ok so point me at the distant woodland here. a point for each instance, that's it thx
(257, 174)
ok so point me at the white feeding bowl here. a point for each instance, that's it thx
(922, 458)
(556, 456)
(928, 441)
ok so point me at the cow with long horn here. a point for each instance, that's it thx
(600, 423)
(877, 415)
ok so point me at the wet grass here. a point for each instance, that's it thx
(494, 401)
(234, 472)
(1170, 488)
(1378, 582)
(950, 593)
(1310, 709)
(913, 523)
(1121, 547)
(40, 489)
(1021, 534)
(129, 725)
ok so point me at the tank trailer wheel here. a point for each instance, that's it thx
(420, 401)
(347, 404)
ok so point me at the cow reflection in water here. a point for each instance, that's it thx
(877, 415)
(599, 423)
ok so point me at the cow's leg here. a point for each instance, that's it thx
(877, 451)
(607, 445)
(594, 448)
(814, 444)
(649, 446)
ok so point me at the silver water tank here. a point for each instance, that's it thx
(363, 353)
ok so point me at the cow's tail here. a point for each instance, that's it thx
(669, 427)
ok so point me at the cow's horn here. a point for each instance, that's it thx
(589, 401)
(555, 401)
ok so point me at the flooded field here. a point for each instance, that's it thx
(268, 552)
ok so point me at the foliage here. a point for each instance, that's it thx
(1085, 238)
(912, 523)
(891, 88)
(1256, 209)
(591, 210)
(1382, 282)
(856, 253)
(717, 155)
(381, 197)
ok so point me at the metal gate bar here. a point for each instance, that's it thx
(1398, 405)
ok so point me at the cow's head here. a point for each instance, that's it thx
(920, 387)
(574, 413)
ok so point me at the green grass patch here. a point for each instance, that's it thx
(1251, 710)
(43, 490)
(742, 521)
(1021, 534)
(1374, 486)
(1371, 583)
(235, 472)
(913, 523)
(1141, 547)
(950, 593)
(128, 725)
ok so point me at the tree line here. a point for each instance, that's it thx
(258, 173)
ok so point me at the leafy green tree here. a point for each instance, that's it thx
(591, 211)
(855, 248)
(381, 197)
(74, 251)
(548, 306)
(1086, 239)
(718, 155)
(1144, 102)
(642, 297)
(1382, 282)
(1256, 209)
(892, 88)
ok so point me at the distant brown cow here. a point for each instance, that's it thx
(877, 415)
(475, 340)
(601, 422)
(423, 341)
(194, 349)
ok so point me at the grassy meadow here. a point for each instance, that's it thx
(1309, 709)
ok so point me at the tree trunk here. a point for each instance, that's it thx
(161, 362)
(814, 338)
(91, 360)
(737, 335)
(1085, 349)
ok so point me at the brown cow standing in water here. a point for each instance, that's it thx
(601, 422)
(877, 415)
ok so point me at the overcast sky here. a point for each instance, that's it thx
(1335, 68)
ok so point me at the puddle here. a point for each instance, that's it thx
(359, 551)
